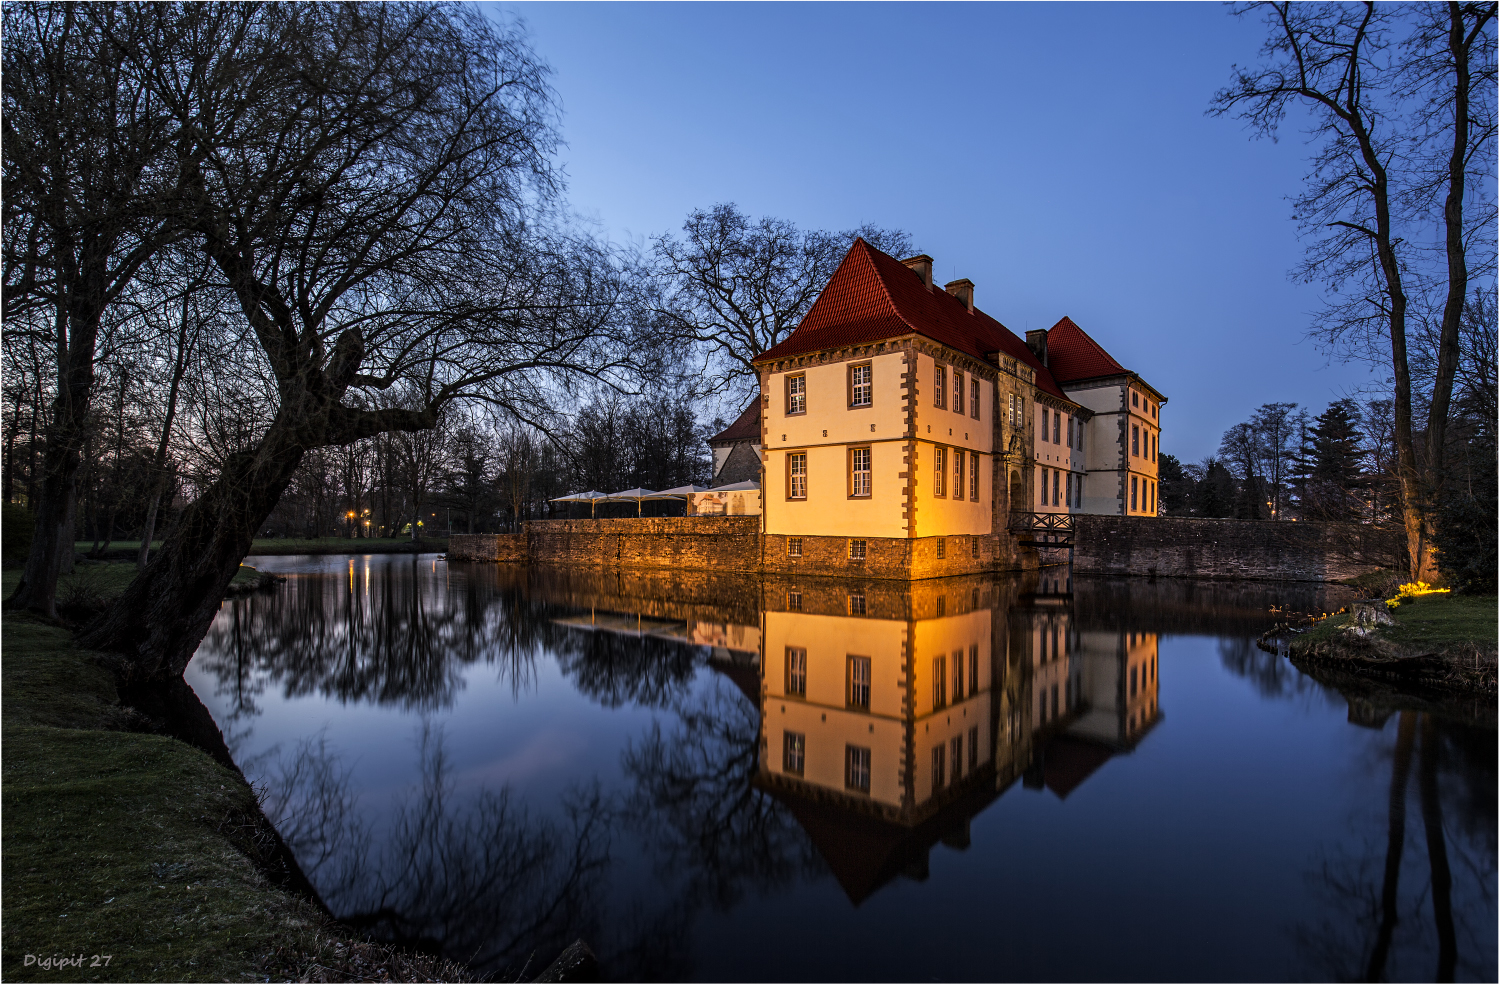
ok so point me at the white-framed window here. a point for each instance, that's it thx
(958, 391)
(857, 768)
(794, 546)
(793, 752)
(796, 475)
(857, 603)
(939, 470)
(974, 477)
(861, 389)
(859, 472)
(940, 682)
(796, 394)
(958, 473)
(974, 398)
(939, 387)
(857, 694)
(796, 671)
(857, 553)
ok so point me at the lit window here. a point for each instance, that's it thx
(958, 392)
(939, 383)
(859, 386)
(794, 546)
(940, 682)
(793, 751)
(858, 694)
(857, 768)
(857, 604)
(796, 475)
(940, 470)
(974, 476)
(942, 547)
(859, 471)
(796, 671)
(796, 394)
(938, 763)
(856, 550)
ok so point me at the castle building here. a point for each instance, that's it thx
(901, 425)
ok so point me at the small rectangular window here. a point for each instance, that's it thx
(857, 768)
(796, 671)
(958, 391)
(1135, 399)
(859, 472)
(939, 757)
(860, 386)
(857, 604)
(857, 695)
(974, 547)
(796, 475)
(956, 753)
(794, 601)
(974, 398)
(973, 747)
(942, 547)
(856, 550)
(974, 476)
(1042, 431)
(940, 682)
(973, 669)
(794, 546)
(958, 473)
(1135, 441)
(939, 470)
(1132, 493)
(1043, 484)
(796, 394)
(939, 387)
(1056, 428)
(1055, 475)
(793, 752)
(958, 676)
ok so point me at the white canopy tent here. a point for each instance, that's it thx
(584, 497)
(631, 496)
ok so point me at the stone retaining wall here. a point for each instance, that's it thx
(1190, 547)
(487, 547)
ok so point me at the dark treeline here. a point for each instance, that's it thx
(1285, 463)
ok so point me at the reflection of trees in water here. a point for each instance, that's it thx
(384, 634)
(709, 832)
(1392, 917)
(477, 878)
(1273, 676)
(615, 670)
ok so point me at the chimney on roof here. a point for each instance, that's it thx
(921, 265)
(1036, 341)
(963, 290)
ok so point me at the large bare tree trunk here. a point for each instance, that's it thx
(166, 611)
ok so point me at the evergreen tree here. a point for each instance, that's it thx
(1336, 445)
(1176, 487)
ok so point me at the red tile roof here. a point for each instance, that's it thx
(746, 427)
(1073, 355)
(873, 296)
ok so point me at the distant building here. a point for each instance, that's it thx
(901, 412)
(737, 449)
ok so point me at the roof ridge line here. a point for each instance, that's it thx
(885, 288)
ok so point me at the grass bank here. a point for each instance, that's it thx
(131, 856)
(1442, 640)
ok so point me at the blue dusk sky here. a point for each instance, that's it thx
(1058, 155)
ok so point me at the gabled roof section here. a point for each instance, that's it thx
(873, 296)
(746, 427)
(1072, 354)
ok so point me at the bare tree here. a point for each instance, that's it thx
(370, 184)
(736, 287)
(1378, 84)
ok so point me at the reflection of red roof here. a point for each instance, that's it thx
(1070, 761)
(873, 296)
(1073, 355)
(746, 427)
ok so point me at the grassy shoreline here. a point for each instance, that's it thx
(122, 842)
(1444, 641)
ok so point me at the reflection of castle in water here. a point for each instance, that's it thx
(891, 717)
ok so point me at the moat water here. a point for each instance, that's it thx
(728, 778)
